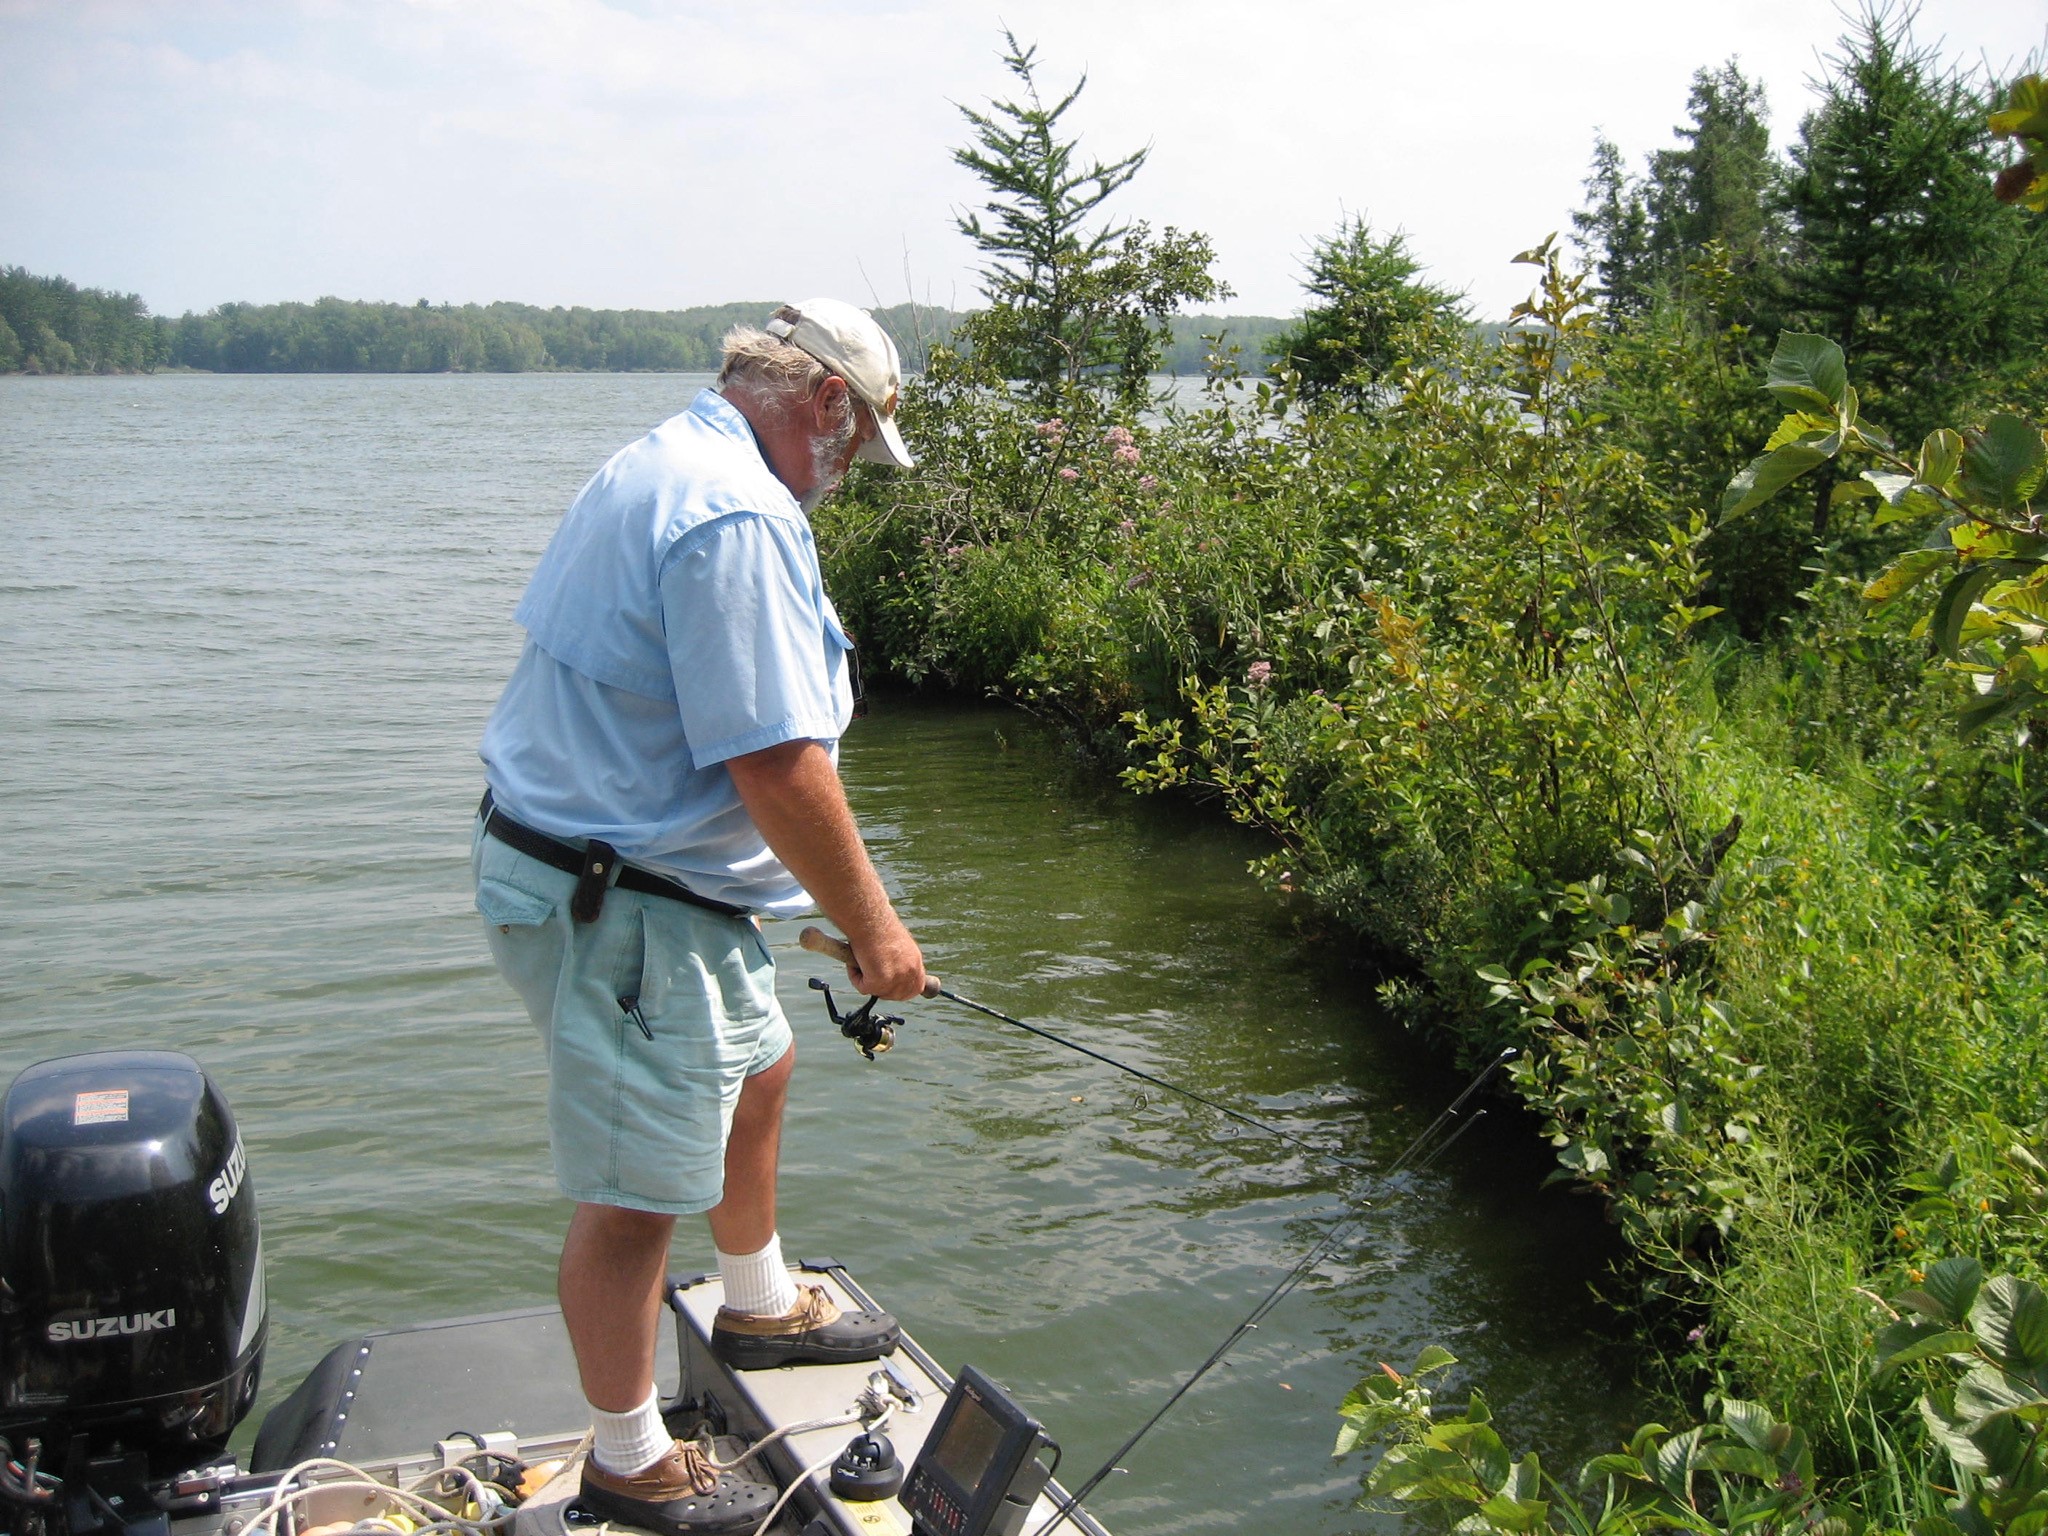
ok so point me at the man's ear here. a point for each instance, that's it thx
(827, 403)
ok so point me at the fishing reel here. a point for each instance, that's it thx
(870, 1032)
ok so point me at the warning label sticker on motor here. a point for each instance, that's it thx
(103, 1106)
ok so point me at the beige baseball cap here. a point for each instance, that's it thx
(849, 342)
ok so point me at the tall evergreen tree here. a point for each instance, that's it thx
(1901, 251)
(1717, 187)
(1369, 301)
(1614, 230)
(1067, 305)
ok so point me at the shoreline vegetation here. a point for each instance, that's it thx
(1655, 689)
(49, 325)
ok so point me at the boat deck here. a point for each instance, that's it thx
(382, 1402)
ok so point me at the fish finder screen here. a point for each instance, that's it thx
(969, 1445)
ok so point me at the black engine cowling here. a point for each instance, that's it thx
(132, 1306)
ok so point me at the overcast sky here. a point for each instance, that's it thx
(661, 153)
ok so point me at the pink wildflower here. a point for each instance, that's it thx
(1128, 525)
(1127, 455)
(1070, 474)
(1118, 437)
(1052, 431)
(1148, 483)
(1258, 674)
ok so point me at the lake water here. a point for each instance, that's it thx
(252, 627)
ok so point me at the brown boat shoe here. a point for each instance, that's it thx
(680, 1495)
(816, 1331)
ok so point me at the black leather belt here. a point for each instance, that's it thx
(592, 865)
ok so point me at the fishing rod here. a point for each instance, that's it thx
(874, 1034)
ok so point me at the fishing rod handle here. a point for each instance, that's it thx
(819, 942)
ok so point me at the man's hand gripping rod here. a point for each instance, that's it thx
(870, 1033)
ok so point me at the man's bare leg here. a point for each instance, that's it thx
(615, 1259)
(613, 1264)
(745, 1219)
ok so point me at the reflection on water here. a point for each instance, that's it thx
(253, 627)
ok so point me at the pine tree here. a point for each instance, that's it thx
(1901, 251)
(1370, 305)
(1067, 305)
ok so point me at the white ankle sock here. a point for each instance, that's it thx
(758, 1282)
(632, 1441)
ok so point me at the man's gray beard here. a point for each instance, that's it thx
(826, 451)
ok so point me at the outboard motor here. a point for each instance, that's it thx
(132, 1309)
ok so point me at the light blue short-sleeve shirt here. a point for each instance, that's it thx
(677, 619)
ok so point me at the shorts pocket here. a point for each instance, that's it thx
(509, 906)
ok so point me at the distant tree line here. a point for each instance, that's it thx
(50, 325)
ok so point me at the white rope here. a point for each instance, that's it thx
(431, 1518)
(812, 1471)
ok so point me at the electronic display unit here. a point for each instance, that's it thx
(979, 1470)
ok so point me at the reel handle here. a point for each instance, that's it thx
(819, 942)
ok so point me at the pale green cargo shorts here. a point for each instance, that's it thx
(637, 1116)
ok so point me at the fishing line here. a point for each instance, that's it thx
(1429, 1140)
(1158, 1082)
(1331, 1240)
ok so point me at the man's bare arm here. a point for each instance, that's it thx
(793, 794)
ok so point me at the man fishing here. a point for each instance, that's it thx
(663, 769)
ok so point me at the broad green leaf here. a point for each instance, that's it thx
(1614, 1464)
(1936, 1525)
(1481, 1449)
(1807, 373)
(1951, 1433)
(1526, 1481)
(1675, 1461)
(1915, 503)
(1763, 478)
(1953, 1283)
(1433, 1358)
(1904, 1342)
(1984, 542)
(1752, 1422)
(1800, 426)
(2011, 1317)
(1979, 715)
(1940, 455)
(2002, 464)
(1513, 1509)
(1957, 598)
(1904, 496)
(1740, 1460)
(1987, 1392)
(1906, 573)
(2027, 113)
(2027, 599)
(1846, 491)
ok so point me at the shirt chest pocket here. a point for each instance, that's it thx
(842, 664)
